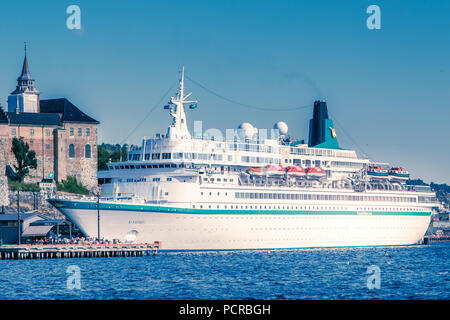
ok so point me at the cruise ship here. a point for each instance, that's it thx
(252, 189)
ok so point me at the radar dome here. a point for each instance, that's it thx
(282, 127)
(246, 130)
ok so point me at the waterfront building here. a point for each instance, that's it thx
(63, 137)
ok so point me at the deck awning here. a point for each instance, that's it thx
(36, 231)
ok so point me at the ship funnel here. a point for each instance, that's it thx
(321, 129)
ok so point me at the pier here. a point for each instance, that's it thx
(91, 250)
(435, 238)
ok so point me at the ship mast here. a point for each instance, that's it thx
(178, 128)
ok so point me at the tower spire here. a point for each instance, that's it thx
(25, 87)
(25, 75)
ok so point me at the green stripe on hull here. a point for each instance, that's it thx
(147, 208)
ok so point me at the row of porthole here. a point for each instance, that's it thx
(287, 239)
(275, 207)
(325, 228)
(327, 217)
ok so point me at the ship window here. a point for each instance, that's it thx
(169, 179)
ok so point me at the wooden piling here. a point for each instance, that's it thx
(58, 251)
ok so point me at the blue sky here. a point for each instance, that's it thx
(389, 89)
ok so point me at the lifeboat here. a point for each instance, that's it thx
(398, 173)
(295, 171)
(255, 171)
(377, 172)
(274, 170)
(313, 172)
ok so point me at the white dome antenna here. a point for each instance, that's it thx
(282, 128)
(246, 131)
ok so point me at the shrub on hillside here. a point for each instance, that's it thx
(71, 185)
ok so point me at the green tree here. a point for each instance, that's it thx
(103, 157)
(113, 152)
(26, 158)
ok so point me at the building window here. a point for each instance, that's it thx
(71, 132)
(13, 131)
(47, 132)
(87, 151)
(47, 146)
(80, 132)
(88, 132)
(31, 132)
(71, 150)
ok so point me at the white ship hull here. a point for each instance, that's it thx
(206, 230)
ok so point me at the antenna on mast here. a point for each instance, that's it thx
(178, 128)
(182, 83)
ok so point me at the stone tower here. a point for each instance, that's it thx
(26, 97)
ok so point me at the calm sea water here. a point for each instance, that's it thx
(412, 272)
